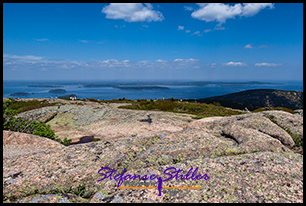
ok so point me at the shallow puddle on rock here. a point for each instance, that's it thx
(82, 140)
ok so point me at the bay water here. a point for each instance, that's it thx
(137, 89)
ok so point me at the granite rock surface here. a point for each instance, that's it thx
(248, 158)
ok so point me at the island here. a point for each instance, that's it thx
(142, 88)
(45, 86)
(68, 96)
(57, 91)
(20, 94)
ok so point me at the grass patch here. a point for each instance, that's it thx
(274, 108)
(91, 100)
(23, 106)
(120, 100)
(172, 105)
(296, 138)
(79, 190)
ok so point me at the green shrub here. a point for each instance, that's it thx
(24, 125)
(202, 110)
(23, 106)
(274, 108)
(94, 100)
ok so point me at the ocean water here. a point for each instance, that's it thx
(107, 89)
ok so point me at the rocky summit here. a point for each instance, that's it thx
(253, 157)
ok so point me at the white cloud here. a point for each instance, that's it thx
(219, 27)
(250, 9)
(248, 46)
(207, 30)
(186, 60)
(267, 64)
(132, 12)
(221, 12)
(161, 61)
(176, 60)
(25, 57)
(197, 32)
(234, 64)
(55, 64)
(42, 39)
(183, 63)
(187, 31)
(216, 12)
(262, 46)
(188, 8)
(212, 65)
(83, 41)
(180, 28)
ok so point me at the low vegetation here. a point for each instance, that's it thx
(23, 106)
(12, 107)
(120, 100)
(274, 108)
(173, 105)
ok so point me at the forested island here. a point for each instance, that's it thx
(142, 88)
(57, 91)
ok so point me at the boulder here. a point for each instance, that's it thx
(264, 125)
(17, 138)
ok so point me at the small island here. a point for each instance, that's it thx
(68, 96)
(20, 94)
(57, 91)
(45, 86)
(142, 88)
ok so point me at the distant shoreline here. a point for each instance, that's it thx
(251, 99)
(143, 88)
(107, 90)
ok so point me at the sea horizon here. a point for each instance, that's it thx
(141, 89)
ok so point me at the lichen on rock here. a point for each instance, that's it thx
(249, 157)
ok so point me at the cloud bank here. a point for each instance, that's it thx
(37, 63)
(267, 64)
(234, 64)
(25, 57)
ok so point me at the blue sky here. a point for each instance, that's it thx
(153, 41)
